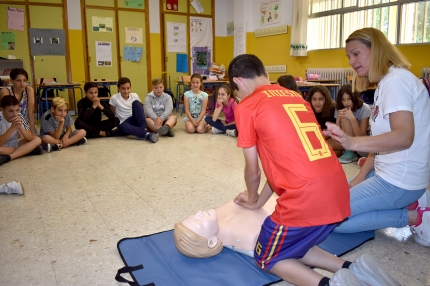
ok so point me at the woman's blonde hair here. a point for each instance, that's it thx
(193, 245)
(58, 101)
(383, 54)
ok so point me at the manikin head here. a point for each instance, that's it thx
(197, 235)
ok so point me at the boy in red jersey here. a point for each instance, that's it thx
(279, 126)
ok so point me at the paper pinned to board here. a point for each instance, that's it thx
(197, 6)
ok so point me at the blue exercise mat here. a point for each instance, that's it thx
(154, 260)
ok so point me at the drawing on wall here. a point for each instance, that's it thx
(102, 24)
(176, 37)
(201, 58)
(55, 40)
(270, 12)
(7, 40)
(172, 5)
(38, 40)
(133, 35)
(104, 53)
(134, 3)
(230, 28)
(15, 19)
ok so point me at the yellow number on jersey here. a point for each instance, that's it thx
(302, 128)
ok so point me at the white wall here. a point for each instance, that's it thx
(74, 15)
(154, 16)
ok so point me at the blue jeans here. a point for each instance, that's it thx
(136, 124)
(377, 204)
(218, 124)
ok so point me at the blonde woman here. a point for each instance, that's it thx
(399, 144)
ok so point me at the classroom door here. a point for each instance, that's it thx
(170, 57)
(136, 71)
(101, 44)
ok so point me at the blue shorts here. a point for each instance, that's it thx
(278, 242)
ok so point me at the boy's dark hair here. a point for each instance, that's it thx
(355, 98)
(246, 66)
(8, 100)
(288, 81)
(89, 85)
(16, 72)
(328, 108)
(122, 81)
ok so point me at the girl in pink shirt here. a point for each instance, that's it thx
(226, 102)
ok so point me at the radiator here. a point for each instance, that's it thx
(332, 73)
(425, 72)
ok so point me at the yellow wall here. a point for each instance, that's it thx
(156, 63)
(77, 55)
(224, 50)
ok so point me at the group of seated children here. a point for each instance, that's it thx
(349, 112)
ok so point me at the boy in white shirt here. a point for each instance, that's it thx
(128, 108)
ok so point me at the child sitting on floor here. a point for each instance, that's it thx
(323, 106)
(226, 102)
(16, 139)
(90, 110)
(195, 102)
(56, 127)
(128, 108)
(158, 109)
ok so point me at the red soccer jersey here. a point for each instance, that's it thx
(299, 164)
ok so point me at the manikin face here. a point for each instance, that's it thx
(20, 82)
(204, 223)
(222, 94)
(124, 89)
(92, 93)
(158, 89)
(195, 84)
(318, 101)
(359, 57)
(60, 110)
(346, 101)
(10, 112)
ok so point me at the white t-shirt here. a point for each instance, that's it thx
(400, 90)
(123, 107)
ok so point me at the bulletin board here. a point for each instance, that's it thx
(47, 42)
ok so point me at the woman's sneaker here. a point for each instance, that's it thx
(368, 271)
(348, 157)
(344, 277)
(422, 229)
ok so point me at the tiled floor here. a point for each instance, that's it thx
(79, 202)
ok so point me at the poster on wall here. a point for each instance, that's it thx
(134, 3)
(7, 40)
(102, 24)
(201, 58)
(103, 54)
(172, 5)
(47, 42)
(201, 36)
(270, 12)
(132, 54)
(133, 35)
(176, 37)
(15, 19)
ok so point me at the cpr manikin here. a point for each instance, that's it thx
(206, 232)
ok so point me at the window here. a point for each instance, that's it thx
(332, 21)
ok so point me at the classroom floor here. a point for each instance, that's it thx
(79, 202)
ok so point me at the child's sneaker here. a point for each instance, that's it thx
(216, 130)
(361, 161)
(171, 133)
(348, 157)
(163, 130)
(231, 132)
(344, 277)
(13, 187)
(368, 271)
(4, 159)
(52, 147)
(82, 141)
(153, 137)
(422, 227)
